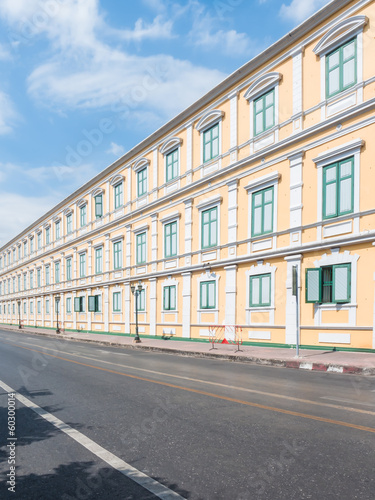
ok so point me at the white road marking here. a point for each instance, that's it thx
(350, 401)
(207, 382)
(158, 489)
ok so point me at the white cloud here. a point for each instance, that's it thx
(5, 55)
(157, 30)
(116, 149)
(206, 34)
(85, 72)
(21, 211)
(8, 114)
(299, 10)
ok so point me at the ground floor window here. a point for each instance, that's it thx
(328, 284)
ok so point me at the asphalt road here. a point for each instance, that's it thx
(96, 422)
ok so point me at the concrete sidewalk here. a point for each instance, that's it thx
(360, 363)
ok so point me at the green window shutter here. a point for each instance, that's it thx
(341, 68)
(313, 285)
(77, 304)
(341, 283)
(172, 165)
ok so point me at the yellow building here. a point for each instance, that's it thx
(271, 170)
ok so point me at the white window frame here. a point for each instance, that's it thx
(264, 182)
(261, 86)
(202, 206)
(337, 36)
(207, 121)
(347, 150)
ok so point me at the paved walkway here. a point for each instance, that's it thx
(331, 361)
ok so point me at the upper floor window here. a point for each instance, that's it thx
(211, 143)
(209, 227)
(170, 239)
(19, 283)
(118, 195)
(69, 224)
(57, 272)
(142, 182)
(47, 235)
(141, 248)
(117, 255)
(57, 230)
(83, 215)
(31, 245)
(82, 265)
(39, 241)
(25, 281)
(99, 205)
(19, 252)
(47, 275)
(98, 260)
(264, 112)
(338, 188)
(69, 269)
(341, 68)
(68, 305)
(14, 255)
(171, 164)
(39, 277)
(262, 212)
(141, 300)
(31, 279)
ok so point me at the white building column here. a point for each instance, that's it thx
(74, 295)
(230, 294)
(233, 97)
(188, 230)
(106, 308)
(62, 267)
(107, 196)
(128, 251)
(154, 241)
(74, 263)
(89, 258)
(62, 310)
(189, 153)
(89, 313)
(52, 309)
(232, 217)
(186, 304)
(152, 306)
(106, 256)
(297, 89)
(127, 307)
(291, 310)
(155, 174)
(296, 183)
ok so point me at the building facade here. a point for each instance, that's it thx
(271, 170)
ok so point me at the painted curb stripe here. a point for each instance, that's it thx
(158, 489)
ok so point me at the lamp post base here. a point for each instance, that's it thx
(136, 340)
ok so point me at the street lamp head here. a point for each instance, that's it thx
(132, 287)
(140, 286)
(57, 298)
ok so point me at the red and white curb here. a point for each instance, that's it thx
(302, 365)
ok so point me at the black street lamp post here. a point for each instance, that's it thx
(57, 302)
(19, 314)
(136, 291)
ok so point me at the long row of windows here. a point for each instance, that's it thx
(338, 200)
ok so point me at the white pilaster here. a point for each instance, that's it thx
(233, 126)
(107, 255)
(127, 307)
(186, 304)
(154, 240)
(232, 216)
(106, 308)
(296, 183)
(89, 258)
(230, 294)
(188, 230)
(152, 306)
(291, 311)
(189, 153)
(155, 174)
(297, 89)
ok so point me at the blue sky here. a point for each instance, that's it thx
(109, 73)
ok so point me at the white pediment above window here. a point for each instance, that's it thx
(340, 33)
(141, 163)
(209, 118)
(170, 144)
(68, 211)
(81, 203)
(262, 84)
(116, 180)
(56, 219)
(97, 192)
